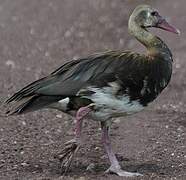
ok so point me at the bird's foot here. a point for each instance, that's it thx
(118, 171)
(67, 154)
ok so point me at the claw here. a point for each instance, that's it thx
(120, 172)
(67, 154)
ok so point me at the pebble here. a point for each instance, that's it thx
(178, 66)
(32, 31)
(10, 63)
(180, 129)
(67, 177)
(23, 123)
(81, 178)
(67, 34)
(59, 115)
(97, 148)
(24, 164)
(47, 54)
(15, 18)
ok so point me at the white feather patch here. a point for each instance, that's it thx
(108, 105)
(64, 103)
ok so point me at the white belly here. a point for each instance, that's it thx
(108, 105)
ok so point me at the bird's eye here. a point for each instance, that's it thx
(154, 13)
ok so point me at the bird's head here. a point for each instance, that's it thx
(147, 17)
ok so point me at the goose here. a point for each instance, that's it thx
(104, 86)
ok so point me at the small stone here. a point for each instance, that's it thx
(15, 166)
(180, 129)
(32, 31)
(59, 116)
(178, 66)
(10, 63)
(97, 148)
(28, 68)
(59, 130)
(24, 164)
(23, 123)
(15, 18)
(67, 34)
(66, 177)
(75, 57)
(46, 132)
(2, 161)
(47, 54)
(81, 178)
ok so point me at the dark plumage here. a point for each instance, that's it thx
(104, 85)
(128, 69)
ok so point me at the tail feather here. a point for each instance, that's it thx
(32, 103)
(28, 90)
(27, 99)
(18, 107)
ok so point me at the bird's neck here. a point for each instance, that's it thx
(155, 46)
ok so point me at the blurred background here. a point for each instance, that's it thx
(38, 36)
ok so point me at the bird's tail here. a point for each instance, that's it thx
(27, 99)
(31, 103)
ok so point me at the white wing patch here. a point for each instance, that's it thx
(64, 103)
(109, 105)
(60, 105)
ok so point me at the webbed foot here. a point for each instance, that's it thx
(118, 171)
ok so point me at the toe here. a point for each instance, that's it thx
(67, 155)
(127, 174)
(121, 172)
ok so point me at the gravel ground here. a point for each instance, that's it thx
(38, 36)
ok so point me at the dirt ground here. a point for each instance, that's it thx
(38, 36)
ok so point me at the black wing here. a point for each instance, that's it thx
(69, 79)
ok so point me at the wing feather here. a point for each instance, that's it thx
(71, 77)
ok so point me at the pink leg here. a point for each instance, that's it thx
(80, 115)
(115, 167)
(72, 146)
